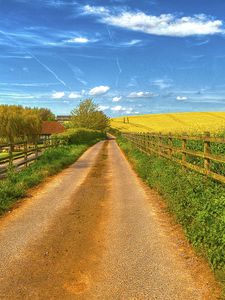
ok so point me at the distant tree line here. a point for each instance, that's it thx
(18, 122)
(22, 122)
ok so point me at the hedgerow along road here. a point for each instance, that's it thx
(95, 231)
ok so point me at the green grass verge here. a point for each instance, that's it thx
(51, 162)
(197, 203)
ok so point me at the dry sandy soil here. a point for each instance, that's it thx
(95, 231)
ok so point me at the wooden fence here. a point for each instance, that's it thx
(22, 154)
(207, 159)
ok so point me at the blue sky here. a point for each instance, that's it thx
(131, 57)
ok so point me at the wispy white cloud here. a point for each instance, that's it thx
(51, 3)
(78, 40)
(27, 84)
(118, 108)
(162, 83)
(95, 10)
(182, 98)
(116, 99)
(13, 39)
(82, 81)
(25, 69)
(130, 43)
(16, 56)
(11, 96)
(133, 82)
(122, 109)
(58, 95)
(99, 90)
(141, 95)
(74, 95)
(57, 3)
(164, 24)
(103, 107)
(129, 110)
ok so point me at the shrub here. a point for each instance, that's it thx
(79, 136)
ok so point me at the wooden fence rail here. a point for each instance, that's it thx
(177, 148)
(22, 154)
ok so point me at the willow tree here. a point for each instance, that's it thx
(18, 122)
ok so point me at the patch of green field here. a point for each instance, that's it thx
(3, 155)
(196, 122)
(6, 154)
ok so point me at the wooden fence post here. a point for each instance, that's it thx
(139, 140)
(170, 142)
(145, 141)
(177, 150)
(206, 152)
(11, 146)
(36, 149)
(152, 141)
(25, 152)
(184, 148)
(148, 143)
(159, 143)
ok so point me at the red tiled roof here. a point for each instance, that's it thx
(52, 127)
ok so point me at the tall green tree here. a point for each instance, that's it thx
(88, 115)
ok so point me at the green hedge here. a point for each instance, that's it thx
(197, 202)
(79, 136)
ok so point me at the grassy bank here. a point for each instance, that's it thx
(196, 202)
(73, 143)
(51, 162)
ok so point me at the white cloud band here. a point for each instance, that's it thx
(141, 95)
(99, 90)
(164, 24)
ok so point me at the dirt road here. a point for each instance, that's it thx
(95, 231)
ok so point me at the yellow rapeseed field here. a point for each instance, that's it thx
(196, 122)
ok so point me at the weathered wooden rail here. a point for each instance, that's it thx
(175, 148)
(22, 154)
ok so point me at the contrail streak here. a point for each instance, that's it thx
(117, 59)
(36, 59)
(72, 70)
(109, 33)
(118, 65)
(120, 71)
(48, 69)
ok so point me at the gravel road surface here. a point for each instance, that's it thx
(95, 231)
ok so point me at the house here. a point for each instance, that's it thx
(63, 118)
(51, 127)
